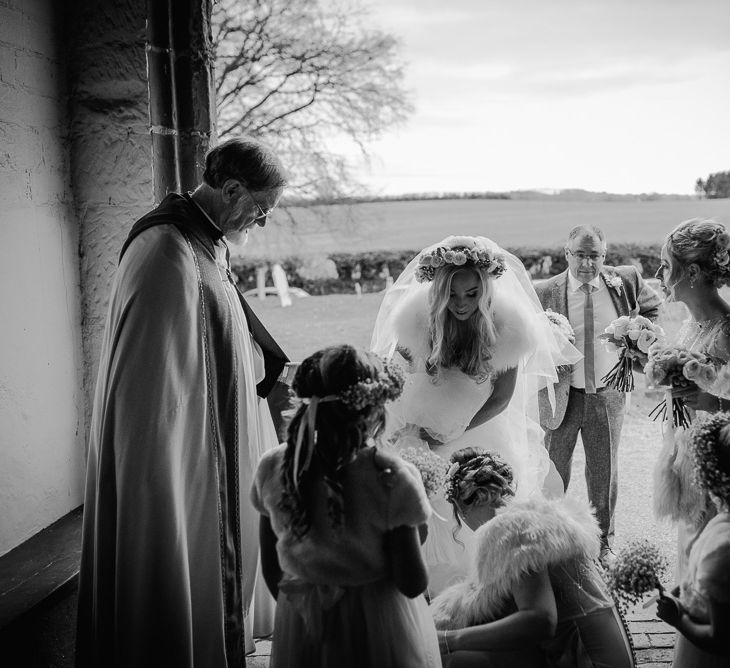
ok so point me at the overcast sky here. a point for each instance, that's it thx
(618, 95)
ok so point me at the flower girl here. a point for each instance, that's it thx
(535, 596)
(340, 519)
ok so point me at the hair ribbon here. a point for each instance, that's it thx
(307, 423)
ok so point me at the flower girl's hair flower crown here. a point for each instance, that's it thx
(369, 392)
(460, 251)
(375, 391)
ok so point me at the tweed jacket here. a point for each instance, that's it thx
(633, 297)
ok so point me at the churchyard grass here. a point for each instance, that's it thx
(514, 223)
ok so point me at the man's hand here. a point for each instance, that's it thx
(669, 609)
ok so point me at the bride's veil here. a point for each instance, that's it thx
(536, 370)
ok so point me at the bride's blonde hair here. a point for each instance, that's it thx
(465, 345)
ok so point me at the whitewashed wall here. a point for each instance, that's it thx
(41, 394)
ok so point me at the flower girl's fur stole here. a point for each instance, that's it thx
(525, 536)
(515, 333)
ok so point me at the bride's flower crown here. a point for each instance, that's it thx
(480, 257)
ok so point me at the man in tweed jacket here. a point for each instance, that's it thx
(583, 404)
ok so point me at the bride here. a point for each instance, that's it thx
(465, 323)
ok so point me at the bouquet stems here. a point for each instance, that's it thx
(621, 376)
(680, 415)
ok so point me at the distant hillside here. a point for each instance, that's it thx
(568, 195)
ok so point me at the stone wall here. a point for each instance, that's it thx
(76, 171)
(41, 392)
(111, 152)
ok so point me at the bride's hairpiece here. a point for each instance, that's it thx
(463, 251)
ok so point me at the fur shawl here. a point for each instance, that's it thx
(515, 335)
(525, 536)
(676, 496)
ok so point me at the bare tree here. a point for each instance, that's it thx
(309, 77)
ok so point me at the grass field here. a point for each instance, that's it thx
(511, 223)
(314, 322)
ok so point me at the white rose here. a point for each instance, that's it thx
(646, 338)
(621, 326)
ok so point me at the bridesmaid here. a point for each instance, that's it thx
(695, 263)
(701, 614)
(535, 597)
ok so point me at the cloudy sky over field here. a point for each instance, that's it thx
(616, 95)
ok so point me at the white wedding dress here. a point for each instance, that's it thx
(445, 407)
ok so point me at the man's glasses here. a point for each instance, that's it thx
(262, 214)
(591, 257)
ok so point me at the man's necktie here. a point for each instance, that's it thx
(588, 359)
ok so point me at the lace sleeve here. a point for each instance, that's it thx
(721, 343)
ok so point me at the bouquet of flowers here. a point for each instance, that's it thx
(639, 568)
(631, 338)
(720, 384)
(432, 468)
(677, 368)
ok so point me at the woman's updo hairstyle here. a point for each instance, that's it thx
(703, 242)
(478, 477)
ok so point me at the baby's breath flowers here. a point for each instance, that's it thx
(705, 444)
(639, 568)
(375, 391)
(431, 467)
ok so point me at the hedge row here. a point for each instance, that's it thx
(373, 264)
